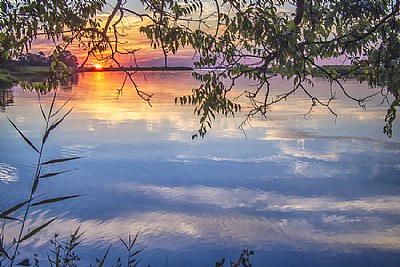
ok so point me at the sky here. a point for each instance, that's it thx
(145, 56)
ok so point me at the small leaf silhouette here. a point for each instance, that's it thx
(24, 263)
(5, 214)
(51, 174)
(22, 135)
(52, 200)
(60, 160)
(36, 230)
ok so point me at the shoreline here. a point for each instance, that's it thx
(12, 74)
(138, 69)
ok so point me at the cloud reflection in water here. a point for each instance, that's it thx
(294, 185)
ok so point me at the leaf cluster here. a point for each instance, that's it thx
(260, 39)
(209, 99)
(63, 252)
(170, 23)
(21, 22)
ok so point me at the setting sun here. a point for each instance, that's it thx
(98, 66)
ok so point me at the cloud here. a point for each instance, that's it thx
(161, 230)
(316, 170)
(230, 198)
(340, 219)
(297, 152)
(193, 158)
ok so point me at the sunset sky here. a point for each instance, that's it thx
(146, 56)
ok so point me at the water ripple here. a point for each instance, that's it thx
(7, 173)
(77, 150)
(186, 158)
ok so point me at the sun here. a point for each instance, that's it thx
(98, 66)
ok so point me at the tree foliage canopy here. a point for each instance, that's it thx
(252, 39)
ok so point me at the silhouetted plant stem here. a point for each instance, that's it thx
(36, 179)
(51, 122)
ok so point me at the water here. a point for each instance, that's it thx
(299, 191)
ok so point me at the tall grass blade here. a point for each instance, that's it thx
(22, 135)
(4, 214)
(41, 108)
(52, 200)
(45, 136)
(76, 235)
(3, 251)
(50, 260)
(65, 103)
(36, 179)
(74, 245)
(101, 262)
(60, 160)
(54, 125)
(134, 240)
(134, 265)
(137, 252)
(36, 230)
(51, 174)
(123, 242)
(62, 118)
(52, 104)
(11, 218)
(35, 184)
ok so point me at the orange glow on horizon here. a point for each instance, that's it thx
(132, 39)
(98, 66)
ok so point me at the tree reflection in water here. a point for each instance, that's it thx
(66, 85)
(6, 98)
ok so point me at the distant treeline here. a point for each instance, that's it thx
(344, 71)
(39, 59)
(31, 67)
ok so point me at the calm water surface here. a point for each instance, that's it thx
(298, 191)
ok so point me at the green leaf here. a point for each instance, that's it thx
(53, 65)
(52, 200)
(22, 135)
(36, 230)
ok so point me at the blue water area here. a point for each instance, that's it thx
(299, 190)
